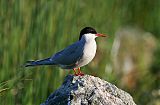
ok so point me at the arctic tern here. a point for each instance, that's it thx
(74, 56)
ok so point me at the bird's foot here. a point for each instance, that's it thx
(75, 73)
(80, 74)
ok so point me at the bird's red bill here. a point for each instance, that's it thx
(100, 35)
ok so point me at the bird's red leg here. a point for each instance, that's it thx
(79, 72)
(75, 72)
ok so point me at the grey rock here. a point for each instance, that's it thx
(88, 90)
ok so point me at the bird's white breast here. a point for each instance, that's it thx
(89, 52)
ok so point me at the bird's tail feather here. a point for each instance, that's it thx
(46, 61)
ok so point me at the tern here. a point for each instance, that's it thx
(76, 55)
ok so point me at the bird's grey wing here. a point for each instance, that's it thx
(69, 55)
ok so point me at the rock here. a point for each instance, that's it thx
(88, 90)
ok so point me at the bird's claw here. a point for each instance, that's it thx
(79, 72)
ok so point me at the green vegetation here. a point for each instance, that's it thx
(36, 29)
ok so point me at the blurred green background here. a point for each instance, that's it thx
(36, 29)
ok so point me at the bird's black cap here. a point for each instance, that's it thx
(87, 30)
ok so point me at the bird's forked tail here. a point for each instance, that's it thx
(47, 61)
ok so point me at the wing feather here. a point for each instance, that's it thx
(69, 55)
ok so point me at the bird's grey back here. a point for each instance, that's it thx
(69, 55)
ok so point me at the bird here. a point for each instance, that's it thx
(75, 55)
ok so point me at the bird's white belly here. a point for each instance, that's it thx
(88, 54)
